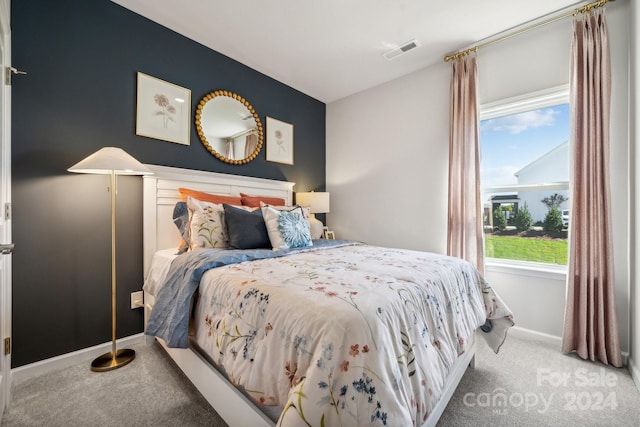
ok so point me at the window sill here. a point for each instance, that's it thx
(531, 269)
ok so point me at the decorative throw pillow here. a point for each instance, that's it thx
(206, 225)
(287, 228)
(306, 210)
(181, 220)
(256, 201)
(208, 197)
(246, 228)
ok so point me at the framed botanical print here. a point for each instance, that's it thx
(163, 110)
(279, 141)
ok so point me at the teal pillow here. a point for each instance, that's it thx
(294, 228)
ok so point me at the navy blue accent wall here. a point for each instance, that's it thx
(78, 96)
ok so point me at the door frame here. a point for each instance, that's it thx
(5, 200)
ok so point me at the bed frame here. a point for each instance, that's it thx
(159, 199)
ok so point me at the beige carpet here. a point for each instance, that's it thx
(528, 384)
(149, 391)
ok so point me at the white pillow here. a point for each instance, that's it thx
(306, 210)
(287, 228)
(206, 225)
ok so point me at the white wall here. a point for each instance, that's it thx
(386, 163)
(387, 154)
(634, 358)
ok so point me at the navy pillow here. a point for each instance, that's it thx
(181, 220)
(246, 229)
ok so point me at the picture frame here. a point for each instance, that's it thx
(330, 235)
(163, 110)
(279, 141)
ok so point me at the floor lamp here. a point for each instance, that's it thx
(111, 161)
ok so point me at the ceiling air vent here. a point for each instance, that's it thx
(401, 50)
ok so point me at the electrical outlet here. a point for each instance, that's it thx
(137, 299)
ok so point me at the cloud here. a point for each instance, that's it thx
(517, 123)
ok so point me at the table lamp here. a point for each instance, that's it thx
(318, 201)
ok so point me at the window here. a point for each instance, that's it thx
(524, 173)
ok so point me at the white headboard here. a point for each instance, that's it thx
(160, 194)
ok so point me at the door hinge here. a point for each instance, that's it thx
(7, 211)
(8, 71)
(7, 346)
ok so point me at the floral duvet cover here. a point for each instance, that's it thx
(347, 335)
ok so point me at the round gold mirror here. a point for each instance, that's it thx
(229, 127)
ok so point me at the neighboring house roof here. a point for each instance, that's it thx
(505, 198)
(542, 158)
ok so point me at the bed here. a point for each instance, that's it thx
(337, 333)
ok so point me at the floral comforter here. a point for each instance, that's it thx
(348, 335)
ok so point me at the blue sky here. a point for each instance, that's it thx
(511, 142)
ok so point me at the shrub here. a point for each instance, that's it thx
(499, 220)
(523, 219)
(554, 201)
(553, 220)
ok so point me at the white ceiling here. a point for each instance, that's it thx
(329, 49)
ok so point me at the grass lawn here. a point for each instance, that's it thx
(552, 251)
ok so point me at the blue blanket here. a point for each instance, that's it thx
(169, 318)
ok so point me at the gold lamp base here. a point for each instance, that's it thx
(108, 361)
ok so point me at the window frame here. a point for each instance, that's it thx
(519, 104)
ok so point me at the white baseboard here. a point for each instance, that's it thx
(69, 359)
(553, 340)
(529, 334)
(634, 370)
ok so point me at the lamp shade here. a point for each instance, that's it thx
(318, 201)
(110, 159)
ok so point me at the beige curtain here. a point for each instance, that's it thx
(229, 149)
(250, 145)
(590, 325)
(465, 206)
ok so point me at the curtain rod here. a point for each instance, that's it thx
(242, 133)
(583, 9)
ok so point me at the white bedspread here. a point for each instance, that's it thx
(352, 335)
